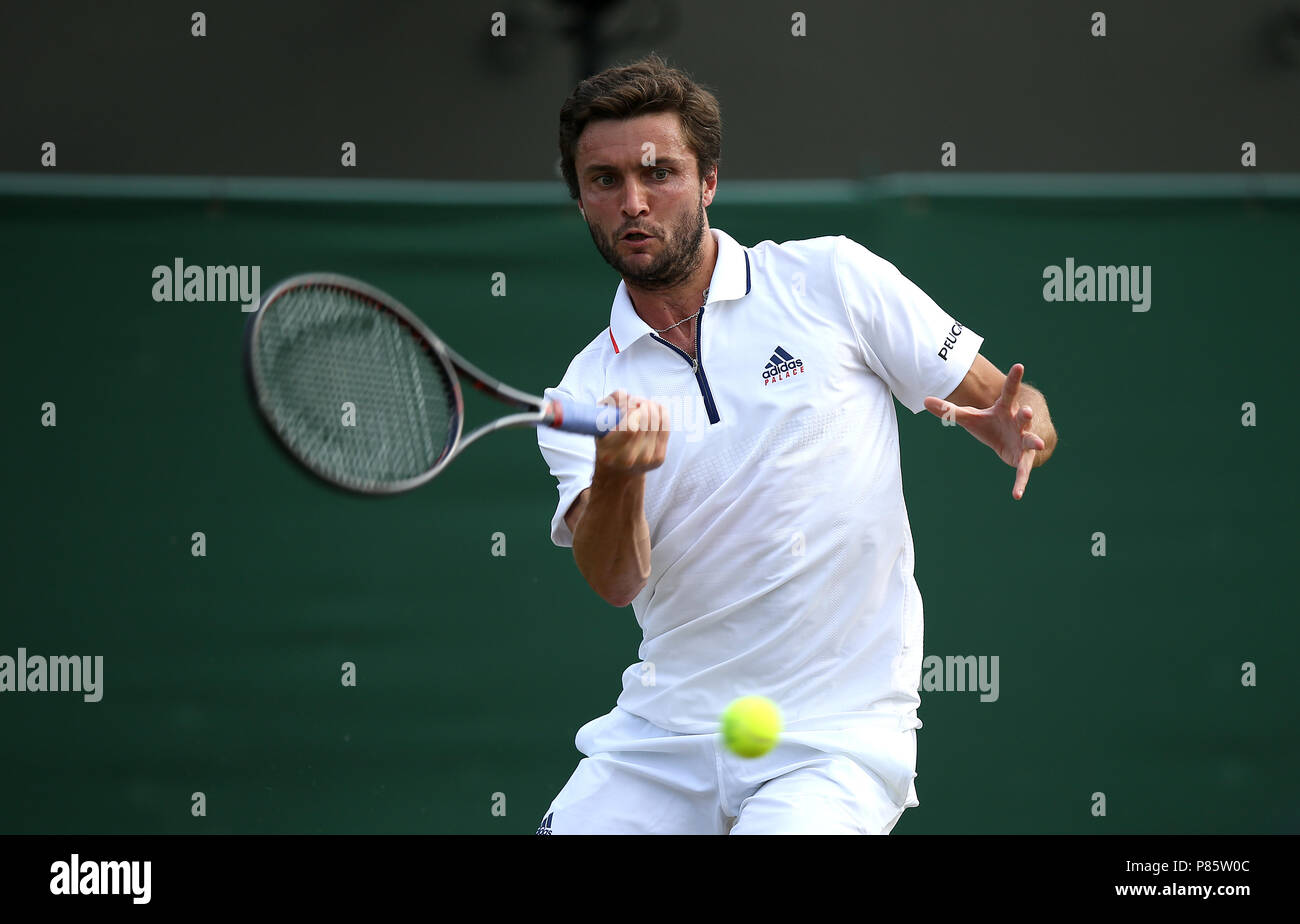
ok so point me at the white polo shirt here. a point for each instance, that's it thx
(781, 554)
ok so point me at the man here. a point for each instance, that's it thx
(761, 537)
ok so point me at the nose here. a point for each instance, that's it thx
(635, 199)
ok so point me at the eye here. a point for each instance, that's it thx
(603, 176)
(664, 170)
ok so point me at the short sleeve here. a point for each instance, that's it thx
(571, 457)
(915, 346)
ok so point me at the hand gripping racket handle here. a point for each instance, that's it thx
(575, 417)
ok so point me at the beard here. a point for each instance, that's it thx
(680, 254)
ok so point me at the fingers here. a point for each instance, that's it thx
(636, 419)
(618, 399)
(1022, 474)
(1030, 444)
(940, 408)
(644, 417)
(1012, 384)
(637, 415)
(661, 434)
(640, 441)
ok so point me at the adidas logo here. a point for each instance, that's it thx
(545, 826)
(781, 366)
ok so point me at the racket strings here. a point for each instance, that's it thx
(352, 389)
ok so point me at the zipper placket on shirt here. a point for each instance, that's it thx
(697, 366)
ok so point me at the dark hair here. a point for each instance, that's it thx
(639, 88)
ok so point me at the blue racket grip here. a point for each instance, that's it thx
(575, 417)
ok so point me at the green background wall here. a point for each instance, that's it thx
(1118, 674)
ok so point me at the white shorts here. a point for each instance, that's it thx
(638, 778)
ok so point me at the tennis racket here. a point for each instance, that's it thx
(365, 396)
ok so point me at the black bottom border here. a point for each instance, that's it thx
(337, 873)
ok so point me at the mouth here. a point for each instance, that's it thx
(636, 237)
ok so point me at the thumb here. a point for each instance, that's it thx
(940, 408)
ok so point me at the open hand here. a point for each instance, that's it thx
(1004, 427)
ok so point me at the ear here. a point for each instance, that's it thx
(710, 186)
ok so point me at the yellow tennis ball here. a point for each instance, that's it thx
(751, 725)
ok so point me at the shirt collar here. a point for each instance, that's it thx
(731, 280)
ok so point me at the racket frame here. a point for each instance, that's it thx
(536, 411)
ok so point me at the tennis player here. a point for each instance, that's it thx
(761, 538)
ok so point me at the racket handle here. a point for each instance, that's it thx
(575, 417)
